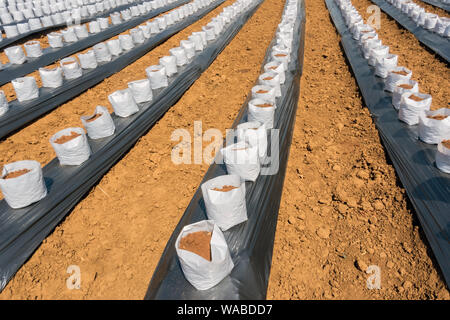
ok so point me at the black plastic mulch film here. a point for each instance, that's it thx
(427, 187)
(251, 242)
(440, 45)
(23, 230)
(438, 4)
(50, 55)
(20, 114)
(8, 41)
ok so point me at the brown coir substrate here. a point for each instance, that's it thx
(342, 207)
(116, 235)
(198, 243)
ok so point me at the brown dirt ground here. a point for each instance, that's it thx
(342, 208)
(117, 233)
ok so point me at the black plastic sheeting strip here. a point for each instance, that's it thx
(427, 187)
(19, 114)
(438, 4)
(440, 45)
(50, 55)
(23, 230)
(7, 41)
(251, 242)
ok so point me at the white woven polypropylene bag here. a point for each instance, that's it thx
(88, 60)
(11, 31)
(73, 152)
(201, 273)
(264, 92)
(123, 103)
(51, 77)
(443, 157)
(141, 90)
(25, 27)
(226, 208)
(189, 48)
(386, 65)
(126, 42)
(25, 189)
(394, 76)
(242, 159)
(137, 35)
(15, 55)
(114, 47)
(4, 106)
(55, 39)
(255, 134)
(94, 27)
(100, 127)
(180, 56)
(271, 79)
(410, 109)
(197, 40)
(102, 53)
(157, 76)
(262, 111)
(170, 65)
(81, 31)
(69, 35)
(377, 53)
(433, 130)
(401, 87)
(278, 67)
(71, 69)
(26, 88)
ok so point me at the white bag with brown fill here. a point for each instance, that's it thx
(22, 183)
(141, 90)
(224, 198)
(255, 134)
(123, 103)
(26, 88)
(262, 111)
(157, 76)
(412, 105)
(200, 272)
(51, 77)
(443, 156)
(4, 107)
(100, 124)
(434, 125)
(242, 159)
(71, 146)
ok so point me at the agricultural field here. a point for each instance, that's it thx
(225, 149)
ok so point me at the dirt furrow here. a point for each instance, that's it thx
(117, 233)
(342, 208)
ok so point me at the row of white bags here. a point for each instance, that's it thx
(32, 19)
(427, 20)
(72, 34)
(413, 107)
(71, 144)
(26, 87)
(224, 196)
